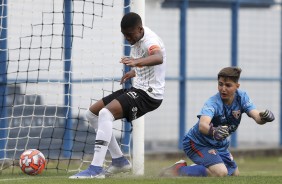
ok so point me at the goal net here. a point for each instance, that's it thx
(57, 57)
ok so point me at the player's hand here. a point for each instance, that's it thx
(128, 61)
(267, 116)
(127, 76)
(219, 133)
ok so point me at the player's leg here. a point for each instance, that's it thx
(208, 161)
(230, 164)
(198, 155)
(114, 147)
(227, 168)
(217, 170)
(106, 117)
(135, 103)
(180, 168)
(119, 162)
(92, 117)
(236, 172)
(104, 134)
(103, 137)
(92, 114)
(207, 157)
(96, 107)
(93, 111)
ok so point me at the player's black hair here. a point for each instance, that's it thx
(232, 73)
(130, 20)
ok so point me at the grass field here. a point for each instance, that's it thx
(258, 170)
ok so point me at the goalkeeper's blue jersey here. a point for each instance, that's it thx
(221, 114)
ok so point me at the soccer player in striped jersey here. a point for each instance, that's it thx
(206, 143)
(148, 64)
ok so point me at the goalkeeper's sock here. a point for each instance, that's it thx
(193, 170)
(103, 137)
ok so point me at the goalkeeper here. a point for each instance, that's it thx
(148, 62)
(206, 143)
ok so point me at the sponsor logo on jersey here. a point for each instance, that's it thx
(223, 118)
(132, 94)
(134, 112)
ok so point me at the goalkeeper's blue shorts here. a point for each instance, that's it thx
(208, 156)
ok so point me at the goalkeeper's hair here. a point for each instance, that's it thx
(232, 73)
(130, 20)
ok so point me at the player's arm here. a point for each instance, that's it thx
(261, 117)
(127, 76)
(206, 127)
(204, 124)
(155, 58)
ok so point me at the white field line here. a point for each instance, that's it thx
(29, 178)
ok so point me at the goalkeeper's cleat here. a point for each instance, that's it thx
(119, 165)
(173, 170)
(91, 172)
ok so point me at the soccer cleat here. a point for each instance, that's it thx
(119, 165)
(90, 172)
(173, 170)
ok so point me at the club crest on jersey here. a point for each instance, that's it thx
(212, 151)
(236, 114)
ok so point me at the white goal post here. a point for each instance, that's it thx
(138, 152)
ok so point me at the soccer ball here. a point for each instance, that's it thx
(32, 162)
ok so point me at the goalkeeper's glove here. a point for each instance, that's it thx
(266, 116)
(218, 133)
